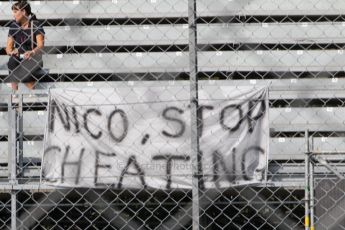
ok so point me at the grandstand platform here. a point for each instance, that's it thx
(294, 47)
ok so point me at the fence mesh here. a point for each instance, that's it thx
(128, 143)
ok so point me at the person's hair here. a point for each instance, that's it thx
(24, 5)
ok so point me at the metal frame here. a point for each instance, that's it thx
(193, 209)
(312, 157)
(12, 163)
(193, 65)
(307, 187)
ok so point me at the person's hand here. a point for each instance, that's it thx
(28, 54)
(14, 52)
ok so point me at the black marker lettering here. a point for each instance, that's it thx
(71, 163)
(261, 113)
(222, 117)
(98, 165)
(124, 123)
(140, 172)
(174, 119)
(200, 114)
(75, 120)
(169, 159)
(219, 160)
(97, 112)
(54, 107)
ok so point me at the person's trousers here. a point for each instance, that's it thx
(23, 70)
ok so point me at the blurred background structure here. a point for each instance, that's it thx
(296, 47)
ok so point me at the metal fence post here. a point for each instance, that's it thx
(306, 181)
(19, 129)
(311, 191)
(193, 63)
(12, 165)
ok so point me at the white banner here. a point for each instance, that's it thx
(139, 136)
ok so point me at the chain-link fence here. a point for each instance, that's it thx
(179, 114)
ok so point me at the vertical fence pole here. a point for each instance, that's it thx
(12, 161)
(306, 181)
(193, 63)
(20, 136)
(13, 210)
(311, 193)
